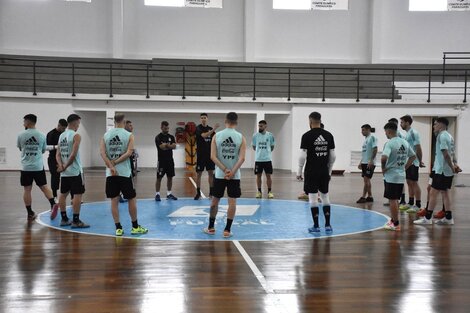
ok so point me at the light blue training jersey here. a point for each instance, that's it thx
(263, 143)
(66, 141)
(116, 141)
(370, 142)
(397, 151)
(444, 141)
(32, 145)
(228, 142)
(413, 139)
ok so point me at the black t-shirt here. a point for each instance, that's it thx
(52, 139)
(203, 144)
(318, 143)
(164, 155)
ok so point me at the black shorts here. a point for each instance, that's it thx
(393, 191)
(204, 163)
(441, 182)
(367, 172)
(27, 178)
(412, 173)
(232, 185)
(167, 169)
(267, 167)
(72, 184)
(315, 182)
(117, 184)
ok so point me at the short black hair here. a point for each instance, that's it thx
(443, 120)
(407, 118)
(73, 117)
(366, 126)
(204, 114)
(31, 117)
(165, 123)
(128, 122)
(393, 120)
(391, 126)
(322, 126)
(315, 116)
(119, 117)
(263, 122)
(63, 122)
(232, 117)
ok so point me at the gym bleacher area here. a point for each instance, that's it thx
(211, 78)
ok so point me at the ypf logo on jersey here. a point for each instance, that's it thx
(31, 146)
(115, 147)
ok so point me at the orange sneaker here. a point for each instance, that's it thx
(421, 213)
(439, 215)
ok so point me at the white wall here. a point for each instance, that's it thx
(376, 31)
(56, 27)
(281, 128)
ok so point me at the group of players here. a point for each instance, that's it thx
(222, 155)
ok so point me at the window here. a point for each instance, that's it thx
(165, 3)
(428, 5)
(292, 4)
(186, 3)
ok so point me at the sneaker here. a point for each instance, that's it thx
(329, 229)
(259, 195)
(227, 234)
(171, 197)
(121, 199)
(440, 214)
(139, 230)
(197, 196)
(209, 231)
(157, 198)
(361, 200)
(314, 229)
(444, 221)
(119, 232)
(79, 224)
(404, 207)
(65, 222)
(413, 209)
(369, 199)
(390, 226)
(54, 210)
(270, 195)
(303, 196)
(423, 221)
(421, 213)
(32, 217)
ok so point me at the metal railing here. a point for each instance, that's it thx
(452, 56)
(226, 80)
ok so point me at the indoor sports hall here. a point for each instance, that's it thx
(334, 133)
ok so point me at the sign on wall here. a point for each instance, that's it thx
(458, 5)
(330, 5)
(203, 3)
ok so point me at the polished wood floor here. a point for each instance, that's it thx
(420, 269)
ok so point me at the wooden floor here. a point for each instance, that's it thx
(420, 269)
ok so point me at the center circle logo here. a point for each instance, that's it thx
(255, 219)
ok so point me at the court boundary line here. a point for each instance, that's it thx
(195, 186)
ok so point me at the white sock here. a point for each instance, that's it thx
(158, 193)
(168, 192)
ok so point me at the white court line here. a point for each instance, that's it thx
(195, 186)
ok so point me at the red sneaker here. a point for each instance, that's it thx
(54, 211)
(421, 213)
(439, 215)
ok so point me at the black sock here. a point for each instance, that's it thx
(76, 218)
(198, 191)
(443, 207)
(402, 198)
(118, 225)
(428, 214)
(259, 189)
(396, 223)
(135, 224)
(64, 215)
(315, 212)
(211, 191)
(269, 189)
(327, 211)
(448, 215)
(427, 204)
(229, 224)
(54, 193)
(211, 222)
(418, 203)
(52, 202)
(30, 211)
(412, 201)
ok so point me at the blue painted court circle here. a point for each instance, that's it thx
(256, 219)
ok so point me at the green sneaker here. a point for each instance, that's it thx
(259, 195)
(404, 207)
(270, 195)
(139, 230)
(119, 232)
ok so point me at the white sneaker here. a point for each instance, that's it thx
(413, 209)
(444, 221)
(423, 221)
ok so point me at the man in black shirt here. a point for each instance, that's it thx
(165, 143)
(204, 135)
(318, 148)
(130, 128)
(52, 140)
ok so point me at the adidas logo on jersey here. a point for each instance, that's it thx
(402, 148)
(31, 141)
(115, 141)
(228, 143)
(320, 141)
